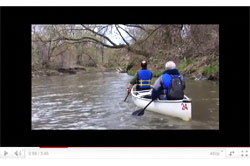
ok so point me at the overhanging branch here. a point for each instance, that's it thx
(121, 35)
(103, 36)
(128, 33)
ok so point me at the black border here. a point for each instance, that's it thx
(16, 82)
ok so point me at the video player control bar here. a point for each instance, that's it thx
(112, 153)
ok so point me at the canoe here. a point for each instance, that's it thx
(175, 108)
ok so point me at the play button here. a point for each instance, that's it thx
(5, 152)
(11, 153)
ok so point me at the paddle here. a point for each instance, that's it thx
(141, 112)
(127, 95)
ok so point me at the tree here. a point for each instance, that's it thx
(44, 36)
(99, 34)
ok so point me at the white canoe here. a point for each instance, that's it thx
(175, 108)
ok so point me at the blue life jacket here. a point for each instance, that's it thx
(166, 78)
(145, 77)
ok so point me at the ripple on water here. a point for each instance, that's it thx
(85, 114)
(96, 102)
(49, 103)
(55, 95)
(76, 102)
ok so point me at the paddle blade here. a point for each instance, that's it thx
(138, 112)
(126, 96)
(141, 112)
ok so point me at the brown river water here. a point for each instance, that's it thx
(95, 101)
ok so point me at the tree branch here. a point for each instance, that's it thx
(61, 52)
(103, 36)
(83, 39)
(101, 41)
(150, 34)
(121, 35)
(128, 33)
(136, 26)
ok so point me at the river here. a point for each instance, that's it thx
(95, 101)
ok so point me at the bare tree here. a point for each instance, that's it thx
(99, 34)
(45, 36)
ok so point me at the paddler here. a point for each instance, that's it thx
(142, 79)
(169, 86)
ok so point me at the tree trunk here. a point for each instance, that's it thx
(102, 55)
(79, 59)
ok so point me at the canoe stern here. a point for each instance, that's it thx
(179, 108)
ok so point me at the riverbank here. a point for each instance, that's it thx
(193, 76)
(198, 68)
(67, 71)
(156, 74)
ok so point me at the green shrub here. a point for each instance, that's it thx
(160, 54)
(131, 72)
(184, 64)
(157, 73)
(212, 69)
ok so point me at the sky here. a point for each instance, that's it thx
(115, 37)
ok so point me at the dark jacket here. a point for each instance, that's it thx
(158, 85)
